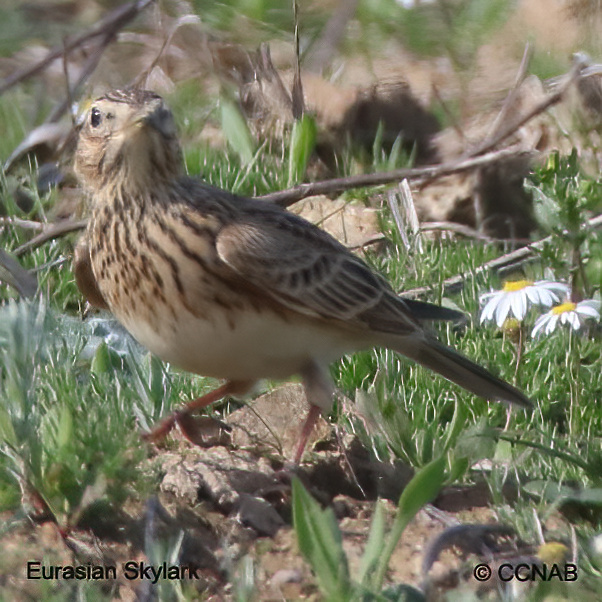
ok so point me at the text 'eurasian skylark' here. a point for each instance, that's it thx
(231, 287)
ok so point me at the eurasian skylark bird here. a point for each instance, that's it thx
(232, 287)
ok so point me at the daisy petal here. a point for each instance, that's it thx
(539, 324)
(546, 298)
(558, 287)
(502, 310)
(519, 305)
(533, 294)
(573, 319)
(487, 313)
(586, 309)
(551, 324)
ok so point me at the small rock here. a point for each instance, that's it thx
(219, 476)
(273, 421)
(258, 514)
(286, 576)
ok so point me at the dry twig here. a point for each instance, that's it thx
(297, 89)
(54, 231)
(106, 29)
(456, 228)
(112, 23)
(514, 125)
(87, 70)
(322, 51)
(26, 224)
(511, 96)
(515, 258)
(284, 198)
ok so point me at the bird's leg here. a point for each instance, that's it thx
(232, 387)
(319, 391)
(308, 427)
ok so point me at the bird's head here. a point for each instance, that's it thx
(128, 138)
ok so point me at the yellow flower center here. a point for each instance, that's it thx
(516, 285)
(564, 307)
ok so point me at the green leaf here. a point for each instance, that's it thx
(236, 130)
(456, 426)
(547, 490)
(558, 494)
(65, 431)
(320, 542)
(421, 490)
(545, 208)
(7, 430)
(477, 442)
(377, 145)
(587, 497)
(427, 447)
(303, 143)
(101, 362)
(158, 381)
(458, 469)
(395, 153)
(374, 546)
(503, 452)
(592, 470)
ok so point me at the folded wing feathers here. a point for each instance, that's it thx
(312, 273)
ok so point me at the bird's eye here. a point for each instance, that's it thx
(95, 117)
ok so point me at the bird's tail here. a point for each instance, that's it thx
(422, 310)
(459, 369)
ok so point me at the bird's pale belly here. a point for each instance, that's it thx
(252, 345)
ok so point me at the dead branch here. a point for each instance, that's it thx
(511, 96)
(284, 198)
(448, 112)
(87, 70)
(26, 224)
(144, 75)
(456, 283)
(106, 29)
(480, 156)
(113, 22)
(297, 88)
(321, 52)
(505, 132)
(288, 197)
(460, 229)
(54, 231)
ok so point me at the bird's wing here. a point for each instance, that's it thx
(306, 270)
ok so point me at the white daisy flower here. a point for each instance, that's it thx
(569, 313)
(515, 298)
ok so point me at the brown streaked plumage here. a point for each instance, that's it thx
(232, 287)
